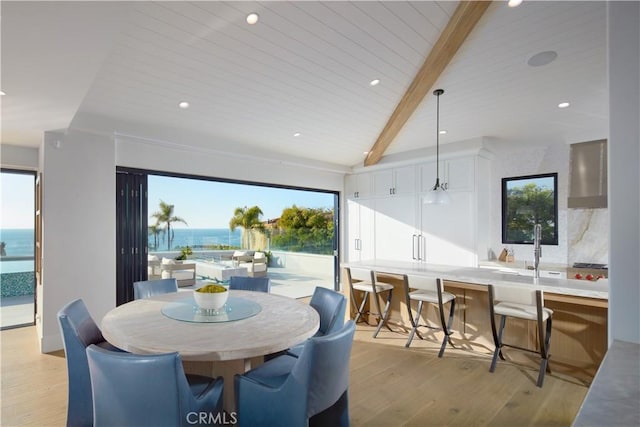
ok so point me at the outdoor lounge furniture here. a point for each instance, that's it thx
(183, 272)
(154, 270)
(254, 262)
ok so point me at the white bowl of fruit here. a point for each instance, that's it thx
(211, 297)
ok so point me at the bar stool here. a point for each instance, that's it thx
(520, 303)
(368, 284)
(430, 291)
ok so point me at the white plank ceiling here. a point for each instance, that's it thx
(306, 67)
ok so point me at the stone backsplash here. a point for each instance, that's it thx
(588, 236)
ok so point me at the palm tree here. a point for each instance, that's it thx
(165, 216)
(155, 230)
(248, 219)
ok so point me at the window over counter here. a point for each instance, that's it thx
(526, 201)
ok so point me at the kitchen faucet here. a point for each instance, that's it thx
(537, 250)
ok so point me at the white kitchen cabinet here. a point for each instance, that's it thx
(360, 230)
(456, 174)
(358, 186)
(448, 232)
(395, 181)
(395, 228)
(396, 225)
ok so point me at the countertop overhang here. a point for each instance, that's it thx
(486, 276)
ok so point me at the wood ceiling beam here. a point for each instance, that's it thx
(463, 20)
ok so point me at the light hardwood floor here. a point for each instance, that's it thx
(390, 385)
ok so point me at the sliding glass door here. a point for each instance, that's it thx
(17, 248)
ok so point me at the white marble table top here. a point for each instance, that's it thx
(140, 327)
(484, 276)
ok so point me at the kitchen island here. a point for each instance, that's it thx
(579, 336)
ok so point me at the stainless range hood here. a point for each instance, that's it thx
(588, 177)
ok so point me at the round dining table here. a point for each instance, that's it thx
(252, 325)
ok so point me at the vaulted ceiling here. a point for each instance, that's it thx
(305, 68)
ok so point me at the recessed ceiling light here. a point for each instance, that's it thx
(443, 131)
(252, 18)
(297, 134)
(183, 104)
(365, 152)
(542, 58)
(563, 105)
(514, 3)
(2, 93)
(374, 82)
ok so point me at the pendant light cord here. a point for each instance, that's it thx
(437, 93)
(437, 138)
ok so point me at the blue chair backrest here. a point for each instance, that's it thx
(149, 288)
(331, 307)
(260, 284)
(138, 390)
(325, 362)
(78, 332)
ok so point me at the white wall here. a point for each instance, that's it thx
(16, 157)
(79, 228)
(624, 178)
(153, 155)
(79, 210)
(518, 161)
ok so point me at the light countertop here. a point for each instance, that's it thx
(485, 276)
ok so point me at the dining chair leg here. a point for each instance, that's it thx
(414, 322)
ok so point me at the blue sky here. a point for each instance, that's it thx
(17, 200)
(203, 204)
(208, 204)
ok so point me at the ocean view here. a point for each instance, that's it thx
(18, 241)
(198, 238)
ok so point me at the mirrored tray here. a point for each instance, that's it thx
(236, 308)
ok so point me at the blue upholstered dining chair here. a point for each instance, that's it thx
(149, 288)
(78, 332)
(293, 391)
(259, 284)
(331, 307)
(149, 390)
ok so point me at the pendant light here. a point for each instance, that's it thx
(438, 195)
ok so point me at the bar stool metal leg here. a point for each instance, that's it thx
(414, 323)
(446, 327)
(382, 316)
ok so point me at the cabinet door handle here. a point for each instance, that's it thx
(420, 256)
(391, 191)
